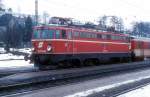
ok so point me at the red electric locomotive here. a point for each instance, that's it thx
(55, 45)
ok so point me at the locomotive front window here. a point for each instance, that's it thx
(51, 34)
(36, 34)
(47, 34)
(43, 34)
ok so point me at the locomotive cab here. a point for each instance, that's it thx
(50, 44)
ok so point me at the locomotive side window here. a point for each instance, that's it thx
(93, 35)
(88, 35)
(104, 36)
(69, 35)
(99, 36)
(82, 34)
(76, 34)
(113, 37)
(57, 35)
(108, 37)
(64, 34)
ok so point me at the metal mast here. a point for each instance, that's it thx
(36, 12)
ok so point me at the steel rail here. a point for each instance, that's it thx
(122, 89)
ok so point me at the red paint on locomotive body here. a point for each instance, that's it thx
(58, 43)
(77, 44)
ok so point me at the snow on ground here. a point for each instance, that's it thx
(141, 92)
(10, 60)
(15, 63)
(25, 50)
(9, 56)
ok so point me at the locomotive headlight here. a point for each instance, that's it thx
(49, 48)
(33, 49)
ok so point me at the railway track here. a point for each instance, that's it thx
(56, 77)
(122, 89)
(15, 70)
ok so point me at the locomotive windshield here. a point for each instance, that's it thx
(43, 34)
(49, 34)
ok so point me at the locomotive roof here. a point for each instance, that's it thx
(65, 27)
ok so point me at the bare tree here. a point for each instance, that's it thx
(111, 23)
(117, 23)
(102, 23)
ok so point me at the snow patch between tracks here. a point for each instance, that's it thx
(99, 89)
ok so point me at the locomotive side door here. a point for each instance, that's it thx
(70, 42)
(64, 44)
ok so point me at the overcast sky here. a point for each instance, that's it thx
(87, 10)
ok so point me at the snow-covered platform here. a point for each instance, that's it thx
(10, 64)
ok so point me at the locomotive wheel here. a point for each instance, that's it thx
(64, 64)
(76, 63)
(88, 62)
(96, 62)
(45, 67)
(126, 59)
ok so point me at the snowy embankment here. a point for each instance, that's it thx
(11, 60)
(15, 63)
(9, 56)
